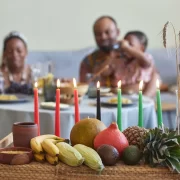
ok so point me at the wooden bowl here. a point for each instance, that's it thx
(67, 92)
(16, 155)
(82, 88)
(68, 88)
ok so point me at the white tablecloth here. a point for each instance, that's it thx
(23, 112)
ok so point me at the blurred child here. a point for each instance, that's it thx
(137, 65)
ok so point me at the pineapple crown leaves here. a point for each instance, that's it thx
(162, 148)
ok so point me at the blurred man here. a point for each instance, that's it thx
(125, 60)
(106, 34)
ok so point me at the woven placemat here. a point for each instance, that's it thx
(45, 171)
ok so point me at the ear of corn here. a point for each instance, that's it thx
(91, 157)
(69, 155)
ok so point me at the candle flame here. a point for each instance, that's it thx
(157, 83)
(98, 84)
(74, 82)
(119, 84)
(58, 83)
(140, 85)
(35, 84)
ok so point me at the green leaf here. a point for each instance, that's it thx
(175, 151)
(175, 164)
(171, 142)
(150, 136)
(154, 144)
(167, 153)
(161, 141)
(160, 158)
(148, 146)
(162, 150)
(178, 138)
(171, 134)
(168, 164)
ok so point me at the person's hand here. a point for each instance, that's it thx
(124, 45)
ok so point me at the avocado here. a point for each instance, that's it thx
(131, 155)
(108, 154)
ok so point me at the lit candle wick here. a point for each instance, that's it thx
(157, 84)
(119, 84)
(35, 84)
(141, 85)
(58, 83)
(98, 85)
(74, 82)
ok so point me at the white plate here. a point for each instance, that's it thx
(52, 105)
(105, 90)
(106, 102)
(20, 99)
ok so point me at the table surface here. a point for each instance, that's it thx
(42, 171)
(23, 112)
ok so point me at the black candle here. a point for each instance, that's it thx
(98, 114)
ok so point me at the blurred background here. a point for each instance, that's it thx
(67, 24)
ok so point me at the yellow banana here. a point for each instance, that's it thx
(50, 147)
(39, 157)
(36, 142)
(52, 159)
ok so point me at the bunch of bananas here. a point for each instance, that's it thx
(53, 149)
(44, 147)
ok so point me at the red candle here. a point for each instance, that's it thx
(57, 113)
(76, 102)
(36, 107)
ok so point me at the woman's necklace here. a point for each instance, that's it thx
(22, 78)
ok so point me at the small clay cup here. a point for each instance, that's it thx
(23, 132)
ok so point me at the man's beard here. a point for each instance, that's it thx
(106, 48)
(109, 48)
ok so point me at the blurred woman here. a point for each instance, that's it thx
(17, 75)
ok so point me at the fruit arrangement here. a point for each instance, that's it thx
(54, 149)
(95, 145)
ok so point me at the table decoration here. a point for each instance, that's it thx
(57, 111)
(140, 122)
(119, 108)
(76, 102)
(98, 107)
(36, 106)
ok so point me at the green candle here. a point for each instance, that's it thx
(140, 121)
(119, 117)
(159, 108)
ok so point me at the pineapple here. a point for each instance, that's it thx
(134, 135)
(162, 148)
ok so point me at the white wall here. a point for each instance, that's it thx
(67, 24)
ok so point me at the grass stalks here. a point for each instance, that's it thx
(177, 43)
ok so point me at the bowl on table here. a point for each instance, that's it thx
(104, 91)
(16, 155)
(67, 92)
